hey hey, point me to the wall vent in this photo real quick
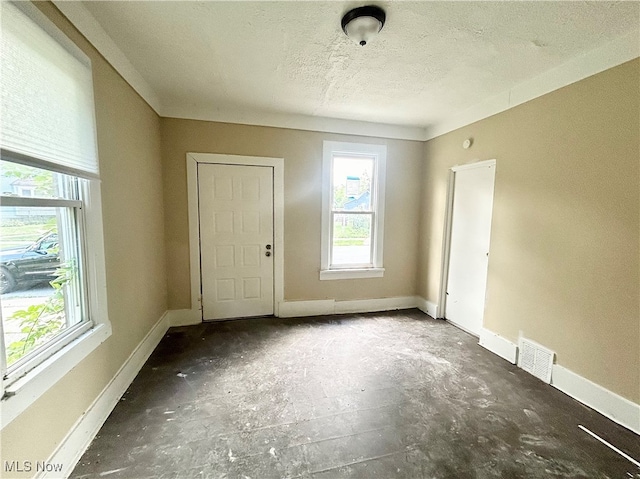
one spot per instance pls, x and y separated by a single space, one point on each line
535 359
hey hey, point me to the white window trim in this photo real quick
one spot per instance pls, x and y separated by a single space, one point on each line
25 386
19 394
379 152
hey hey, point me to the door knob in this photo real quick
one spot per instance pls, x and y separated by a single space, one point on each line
268 246
268 253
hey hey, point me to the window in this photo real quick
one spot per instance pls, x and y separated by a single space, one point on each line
353 210
52 279
42 267
26 191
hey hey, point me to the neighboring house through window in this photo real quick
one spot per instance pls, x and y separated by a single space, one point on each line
352 210
52 272
28 190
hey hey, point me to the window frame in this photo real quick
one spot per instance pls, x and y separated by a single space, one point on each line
20 368
46 367
24 385
378 153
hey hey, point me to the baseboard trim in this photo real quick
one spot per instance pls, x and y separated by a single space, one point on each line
184 317
609 404
427 307
618 409
77 440
291 309
374 305
498 345
320 307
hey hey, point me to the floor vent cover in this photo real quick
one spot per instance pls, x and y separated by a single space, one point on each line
535 359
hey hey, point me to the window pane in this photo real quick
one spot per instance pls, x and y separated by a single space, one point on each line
40 280
351 188
29 182
351 239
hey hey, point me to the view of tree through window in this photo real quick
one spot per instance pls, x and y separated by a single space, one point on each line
352 210
40 283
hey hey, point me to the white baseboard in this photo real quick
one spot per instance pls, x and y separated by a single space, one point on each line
427 307
321 307
498 345
71 448
609 404
291 309
77 440
184 317
373 305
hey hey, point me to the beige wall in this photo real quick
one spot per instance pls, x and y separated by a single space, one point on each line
565 236
565 253
302 153
129 151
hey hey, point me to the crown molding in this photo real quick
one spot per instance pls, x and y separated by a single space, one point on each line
86 23
296 122
614 53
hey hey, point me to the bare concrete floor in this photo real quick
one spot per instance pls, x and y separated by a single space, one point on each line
393 395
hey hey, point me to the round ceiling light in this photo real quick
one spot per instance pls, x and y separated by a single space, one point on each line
362 23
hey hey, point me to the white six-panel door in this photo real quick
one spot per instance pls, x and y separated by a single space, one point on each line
469 247
236 240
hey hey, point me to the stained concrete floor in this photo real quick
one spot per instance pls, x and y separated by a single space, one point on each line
386 395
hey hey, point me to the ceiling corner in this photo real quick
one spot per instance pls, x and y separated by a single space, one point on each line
85 22
616 52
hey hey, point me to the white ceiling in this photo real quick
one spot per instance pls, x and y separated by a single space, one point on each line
240 61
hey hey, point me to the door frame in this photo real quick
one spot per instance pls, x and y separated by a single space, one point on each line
448 223
193 159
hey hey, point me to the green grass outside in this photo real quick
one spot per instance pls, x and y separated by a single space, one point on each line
23 235
348 242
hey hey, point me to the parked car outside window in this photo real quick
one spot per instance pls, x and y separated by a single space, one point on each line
25 266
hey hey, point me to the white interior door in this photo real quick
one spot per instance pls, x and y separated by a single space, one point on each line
236 240
469 246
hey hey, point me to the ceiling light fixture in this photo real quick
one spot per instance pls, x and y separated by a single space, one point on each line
362 23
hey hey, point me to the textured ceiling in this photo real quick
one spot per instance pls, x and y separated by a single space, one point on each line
431 60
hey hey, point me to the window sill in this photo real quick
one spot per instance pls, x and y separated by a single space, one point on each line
330 274
26 390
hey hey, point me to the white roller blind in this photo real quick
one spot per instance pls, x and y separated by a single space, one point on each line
47 96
